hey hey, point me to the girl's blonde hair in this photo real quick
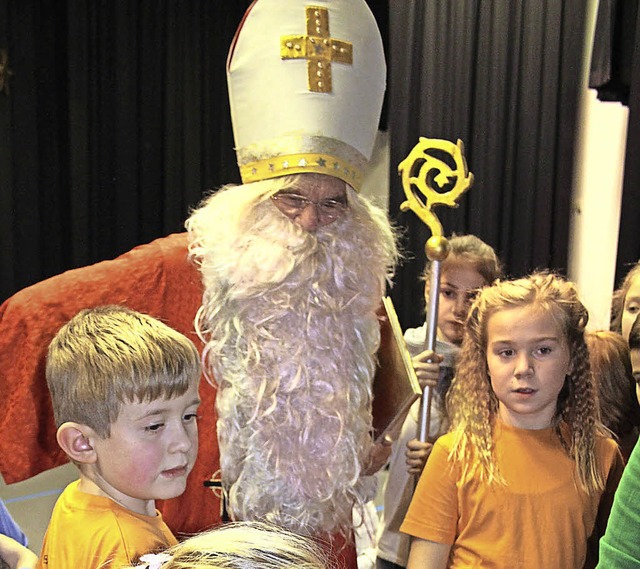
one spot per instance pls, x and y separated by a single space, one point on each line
241 545
473 405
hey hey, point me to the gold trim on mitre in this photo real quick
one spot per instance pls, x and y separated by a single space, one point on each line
300 154
302 164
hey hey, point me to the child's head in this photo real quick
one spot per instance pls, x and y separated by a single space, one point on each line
470 265
110 355
626 302
524 358
124 388
551 297
612 372
241 545
634 352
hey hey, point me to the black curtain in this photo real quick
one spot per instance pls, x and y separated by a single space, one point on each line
503 76
615 73
613 46
114 122
629 238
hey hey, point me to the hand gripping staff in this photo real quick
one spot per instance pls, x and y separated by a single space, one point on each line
438 170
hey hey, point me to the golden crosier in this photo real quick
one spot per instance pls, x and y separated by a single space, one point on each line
415 170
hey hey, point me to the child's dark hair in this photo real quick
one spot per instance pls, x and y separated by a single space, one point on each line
611 368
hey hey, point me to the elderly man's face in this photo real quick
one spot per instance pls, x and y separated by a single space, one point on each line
317 201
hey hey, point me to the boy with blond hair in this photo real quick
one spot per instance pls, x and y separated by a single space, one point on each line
124 388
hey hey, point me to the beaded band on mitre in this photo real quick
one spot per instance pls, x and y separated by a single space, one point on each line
301 164
300 155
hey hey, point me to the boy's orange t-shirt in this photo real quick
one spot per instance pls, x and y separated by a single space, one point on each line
539 519
95 532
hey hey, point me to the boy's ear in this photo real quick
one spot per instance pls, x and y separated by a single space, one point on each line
76 440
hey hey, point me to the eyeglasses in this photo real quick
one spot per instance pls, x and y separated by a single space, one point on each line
294 204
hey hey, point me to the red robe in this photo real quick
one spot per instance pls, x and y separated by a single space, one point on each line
155 279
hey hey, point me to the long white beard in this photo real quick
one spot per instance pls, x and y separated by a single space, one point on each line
289 319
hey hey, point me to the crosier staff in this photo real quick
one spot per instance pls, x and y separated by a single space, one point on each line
438 169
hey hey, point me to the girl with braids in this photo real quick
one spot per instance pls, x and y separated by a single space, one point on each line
526 475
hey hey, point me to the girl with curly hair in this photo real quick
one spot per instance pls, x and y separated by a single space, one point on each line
527 473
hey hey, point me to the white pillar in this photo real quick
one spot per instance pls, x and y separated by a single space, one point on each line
597 194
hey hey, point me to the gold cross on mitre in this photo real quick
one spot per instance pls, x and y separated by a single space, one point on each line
318 48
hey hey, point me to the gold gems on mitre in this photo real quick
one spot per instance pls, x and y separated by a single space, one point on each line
318 48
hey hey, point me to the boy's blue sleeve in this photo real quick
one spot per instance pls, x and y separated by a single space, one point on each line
9 527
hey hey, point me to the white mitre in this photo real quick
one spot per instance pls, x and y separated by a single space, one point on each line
306 84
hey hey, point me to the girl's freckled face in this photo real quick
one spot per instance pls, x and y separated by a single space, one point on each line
528 362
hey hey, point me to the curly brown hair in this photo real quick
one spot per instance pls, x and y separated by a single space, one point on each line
611 367
473 405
